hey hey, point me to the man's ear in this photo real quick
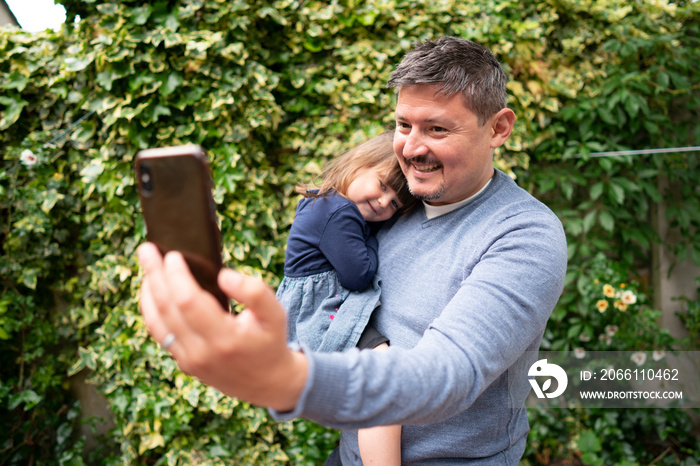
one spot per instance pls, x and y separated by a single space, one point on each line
501 126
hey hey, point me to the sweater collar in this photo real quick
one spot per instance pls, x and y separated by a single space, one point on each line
432 211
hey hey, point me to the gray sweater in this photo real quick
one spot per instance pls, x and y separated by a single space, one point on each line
465 301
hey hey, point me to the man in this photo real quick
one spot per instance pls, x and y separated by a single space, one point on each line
469 280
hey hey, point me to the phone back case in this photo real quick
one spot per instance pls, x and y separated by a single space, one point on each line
175 191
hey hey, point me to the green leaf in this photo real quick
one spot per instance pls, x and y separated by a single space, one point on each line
140 15
91 171
172 82
574 331
14 107
588 441
28 398
217 451
16 81
607 221
617 192
158 111
695 254
50 199
589 220
567 189
74 64
28 278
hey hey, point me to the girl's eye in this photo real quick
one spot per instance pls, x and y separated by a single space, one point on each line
382 186
395 205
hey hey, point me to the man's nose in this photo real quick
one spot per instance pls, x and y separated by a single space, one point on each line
414 145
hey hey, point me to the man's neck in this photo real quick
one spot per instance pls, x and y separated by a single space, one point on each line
432 211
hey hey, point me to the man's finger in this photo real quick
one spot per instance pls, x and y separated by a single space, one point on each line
253 293
199 309
149 311
161 313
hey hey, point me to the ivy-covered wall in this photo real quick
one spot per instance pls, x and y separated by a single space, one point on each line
272 89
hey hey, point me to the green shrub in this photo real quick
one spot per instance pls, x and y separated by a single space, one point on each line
272 89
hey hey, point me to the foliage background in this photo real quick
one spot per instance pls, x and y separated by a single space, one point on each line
272 89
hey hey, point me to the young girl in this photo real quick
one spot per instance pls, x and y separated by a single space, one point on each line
330 289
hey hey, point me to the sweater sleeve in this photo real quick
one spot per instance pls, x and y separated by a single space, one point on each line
349 248
498 313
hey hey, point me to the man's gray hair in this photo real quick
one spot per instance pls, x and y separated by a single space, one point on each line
461 66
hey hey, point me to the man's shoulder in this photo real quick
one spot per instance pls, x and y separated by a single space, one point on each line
512 199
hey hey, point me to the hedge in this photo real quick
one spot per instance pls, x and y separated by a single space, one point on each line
272 89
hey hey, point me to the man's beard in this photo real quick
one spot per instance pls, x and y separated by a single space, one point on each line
429 197
426 197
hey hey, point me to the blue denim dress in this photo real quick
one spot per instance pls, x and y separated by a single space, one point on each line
322 314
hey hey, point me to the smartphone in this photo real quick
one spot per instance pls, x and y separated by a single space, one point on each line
174 185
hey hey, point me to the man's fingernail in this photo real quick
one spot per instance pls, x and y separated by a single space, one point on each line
231 276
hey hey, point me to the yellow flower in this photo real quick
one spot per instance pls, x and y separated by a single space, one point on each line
608 291
621 306
622 285
602 305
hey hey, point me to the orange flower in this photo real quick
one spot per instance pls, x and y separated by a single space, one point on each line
621 306
602 305
608 291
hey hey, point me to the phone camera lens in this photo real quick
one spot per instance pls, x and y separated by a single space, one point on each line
146 179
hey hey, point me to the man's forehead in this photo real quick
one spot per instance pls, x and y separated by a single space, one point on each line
424 104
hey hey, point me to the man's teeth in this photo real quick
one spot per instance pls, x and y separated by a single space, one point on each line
426 168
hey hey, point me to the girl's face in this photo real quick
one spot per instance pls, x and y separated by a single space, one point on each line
375 199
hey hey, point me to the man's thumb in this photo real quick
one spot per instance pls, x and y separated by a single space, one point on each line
252 292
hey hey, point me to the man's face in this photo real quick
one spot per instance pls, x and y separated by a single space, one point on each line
444 153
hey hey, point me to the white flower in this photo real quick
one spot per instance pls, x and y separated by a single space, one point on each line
658 355
584 337
639 358
605 339
628 297
579 353
611 330
27 158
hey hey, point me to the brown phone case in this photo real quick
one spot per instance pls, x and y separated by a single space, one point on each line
174 186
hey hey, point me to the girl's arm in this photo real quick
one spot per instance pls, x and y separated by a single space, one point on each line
349 248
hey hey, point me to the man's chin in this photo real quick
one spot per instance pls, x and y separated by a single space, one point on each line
423 194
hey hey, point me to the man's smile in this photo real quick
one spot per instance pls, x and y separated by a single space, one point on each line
422 165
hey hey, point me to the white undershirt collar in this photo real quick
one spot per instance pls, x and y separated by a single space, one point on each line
432 211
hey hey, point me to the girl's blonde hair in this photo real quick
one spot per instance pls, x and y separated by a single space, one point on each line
377 152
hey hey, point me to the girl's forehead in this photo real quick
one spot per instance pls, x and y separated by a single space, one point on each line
383 169
373 170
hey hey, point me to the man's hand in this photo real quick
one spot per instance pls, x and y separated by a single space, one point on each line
244 355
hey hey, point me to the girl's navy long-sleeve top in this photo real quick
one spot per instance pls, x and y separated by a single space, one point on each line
330 233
